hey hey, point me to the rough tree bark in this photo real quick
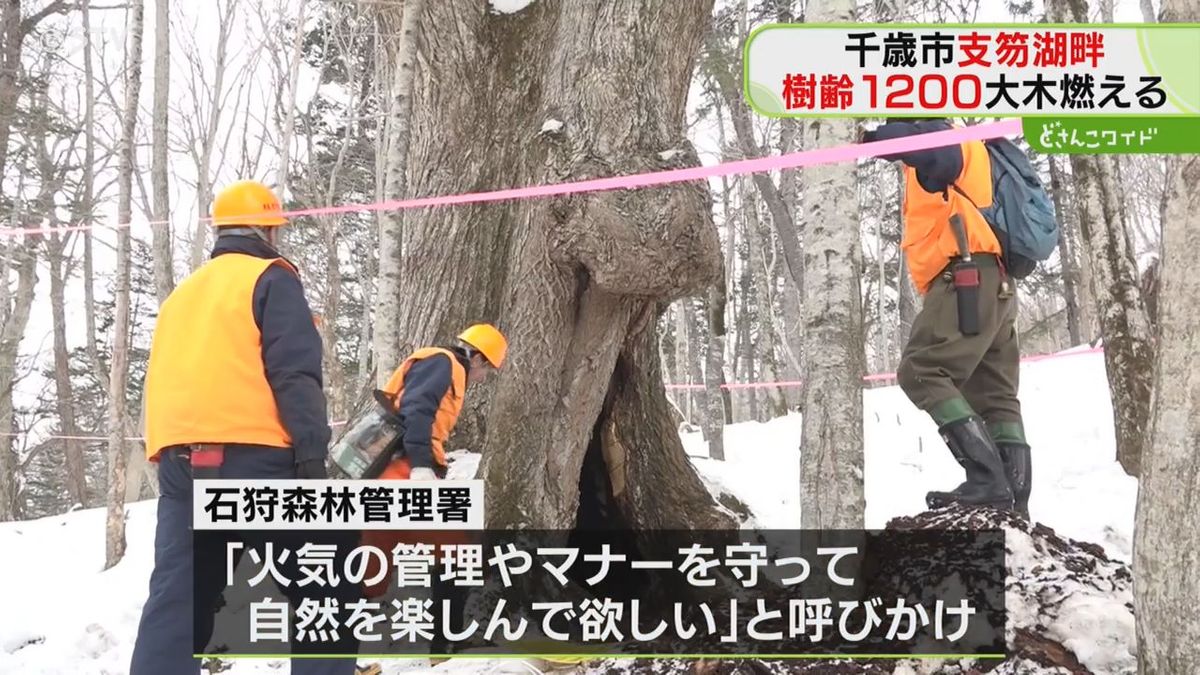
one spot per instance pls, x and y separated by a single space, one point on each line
831 473
1128 347
391 223
164 275
1166 567
577 283
119 365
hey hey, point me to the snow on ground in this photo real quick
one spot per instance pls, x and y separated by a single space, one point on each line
1079 488
509 6
62 614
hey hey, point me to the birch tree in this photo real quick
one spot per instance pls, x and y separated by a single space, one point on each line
1166 569
164 277
391 223
831 473
1128 348
119 364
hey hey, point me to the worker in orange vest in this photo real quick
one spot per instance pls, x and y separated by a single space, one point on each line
424 397
961 364
233 390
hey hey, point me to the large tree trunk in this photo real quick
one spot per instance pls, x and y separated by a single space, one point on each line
164 276
1128 349
831 475
391 223
577 283
1165 565
119 365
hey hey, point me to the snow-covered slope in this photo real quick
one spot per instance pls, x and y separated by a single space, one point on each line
61 614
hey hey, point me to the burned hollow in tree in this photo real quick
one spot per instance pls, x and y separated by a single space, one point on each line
578 282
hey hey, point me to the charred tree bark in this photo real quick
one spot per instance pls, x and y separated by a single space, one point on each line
831 476
577 283
119 366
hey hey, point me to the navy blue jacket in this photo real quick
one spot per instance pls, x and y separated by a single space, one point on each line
937 168
291 349
425 384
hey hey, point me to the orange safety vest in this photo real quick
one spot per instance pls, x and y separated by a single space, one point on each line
205 382
929 241
447 412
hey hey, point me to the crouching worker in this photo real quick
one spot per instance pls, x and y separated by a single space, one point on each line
961 362
403 436
232 390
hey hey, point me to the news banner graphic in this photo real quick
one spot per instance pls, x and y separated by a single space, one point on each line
1094 88
403 568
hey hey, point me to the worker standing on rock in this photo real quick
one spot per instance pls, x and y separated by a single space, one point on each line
233 390
962 360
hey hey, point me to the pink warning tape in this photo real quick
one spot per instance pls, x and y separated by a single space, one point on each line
732 385
841 153
874 377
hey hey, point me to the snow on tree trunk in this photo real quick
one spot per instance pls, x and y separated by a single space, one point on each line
1166 562
164 276
391 223
578 283
1128 349
831 474
119 366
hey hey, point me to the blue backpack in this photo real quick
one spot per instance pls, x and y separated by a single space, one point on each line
1022 213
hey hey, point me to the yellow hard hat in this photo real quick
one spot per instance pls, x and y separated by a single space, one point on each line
247 202
489 341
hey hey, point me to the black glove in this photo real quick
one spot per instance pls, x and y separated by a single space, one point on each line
311 469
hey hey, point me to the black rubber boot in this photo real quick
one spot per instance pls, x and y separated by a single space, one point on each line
1019 469
987 482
